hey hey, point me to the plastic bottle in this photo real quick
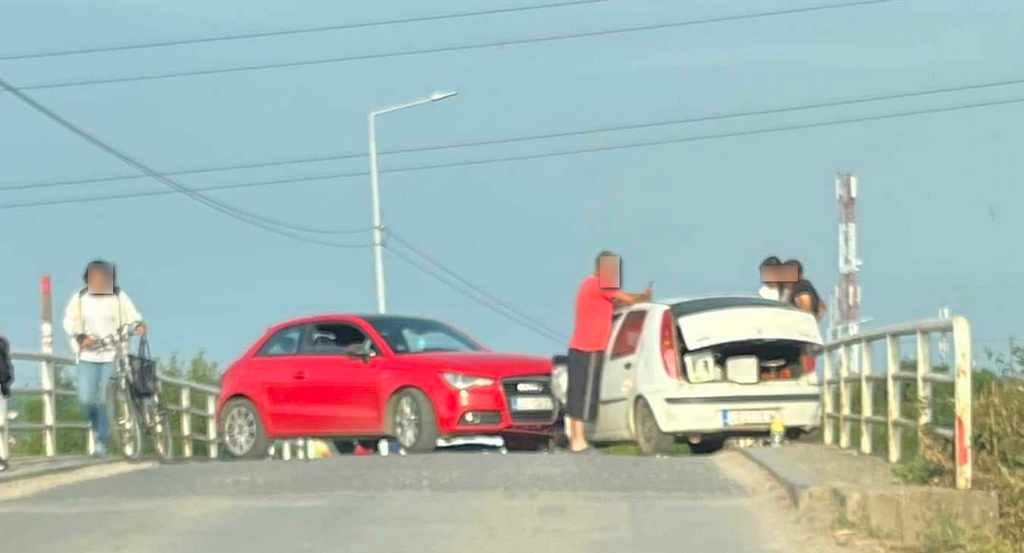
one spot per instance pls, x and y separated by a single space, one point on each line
778 431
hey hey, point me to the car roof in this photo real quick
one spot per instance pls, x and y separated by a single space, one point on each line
369 318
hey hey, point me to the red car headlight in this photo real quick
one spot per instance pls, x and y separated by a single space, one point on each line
461 381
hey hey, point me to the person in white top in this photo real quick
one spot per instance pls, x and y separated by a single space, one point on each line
770 290
95 311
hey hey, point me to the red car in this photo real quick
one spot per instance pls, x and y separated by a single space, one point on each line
372 376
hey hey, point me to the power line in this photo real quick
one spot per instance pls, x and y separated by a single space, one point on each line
544 136
441 266
481 300
580 151
263 222
445 49
296 31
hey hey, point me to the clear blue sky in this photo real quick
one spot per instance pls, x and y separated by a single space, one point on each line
939 199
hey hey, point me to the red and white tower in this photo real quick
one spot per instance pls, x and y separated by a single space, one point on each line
846 316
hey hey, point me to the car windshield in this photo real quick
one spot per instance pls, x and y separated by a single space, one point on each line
407 335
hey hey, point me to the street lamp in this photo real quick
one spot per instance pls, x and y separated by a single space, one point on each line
378 227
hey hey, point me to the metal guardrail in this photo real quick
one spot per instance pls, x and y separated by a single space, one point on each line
185 411
50 366
843 352
49 425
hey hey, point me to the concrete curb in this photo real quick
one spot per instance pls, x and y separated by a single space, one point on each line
901 513
802 494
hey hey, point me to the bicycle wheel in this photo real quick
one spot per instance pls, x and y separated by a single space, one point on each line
160 430
127 422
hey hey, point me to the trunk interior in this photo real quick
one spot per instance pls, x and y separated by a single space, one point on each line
776 359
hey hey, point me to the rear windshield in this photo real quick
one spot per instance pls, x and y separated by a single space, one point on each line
711 304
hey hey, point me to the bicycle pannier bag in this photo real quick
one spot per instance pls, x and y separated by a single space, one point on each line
143 366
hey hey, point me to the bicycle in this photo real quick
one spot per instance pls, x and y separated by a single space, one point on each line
134 400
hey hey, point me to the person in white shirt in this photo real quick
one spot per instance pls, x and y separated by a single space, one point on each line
95 311
770 290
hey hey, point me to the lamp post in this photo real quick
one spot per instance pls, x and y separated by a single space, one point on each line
378 227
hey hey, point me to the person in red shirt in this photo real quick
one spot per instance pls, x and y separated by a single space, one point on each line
598 295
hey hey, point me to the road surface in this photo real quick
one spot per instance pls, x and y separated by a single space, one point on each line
445 502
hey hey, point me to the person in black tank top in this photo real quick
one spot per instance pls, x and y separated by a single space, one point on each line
803 295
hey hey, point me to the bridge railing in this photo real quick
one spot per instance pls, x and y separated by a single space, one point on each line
192 400
50 391
856 380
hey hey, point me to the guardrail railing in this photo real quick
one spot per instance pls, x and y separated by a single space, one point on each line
192 400
50 391
185 408
857 378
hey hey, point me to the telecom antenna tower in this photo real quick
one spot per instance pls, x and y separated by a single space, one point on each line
846 317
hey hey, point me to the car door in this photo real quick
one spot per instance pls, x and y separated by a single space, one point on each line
339 384
618 375
275 365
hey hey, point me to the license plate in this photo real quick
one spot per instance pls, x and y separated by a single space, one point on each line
540 403
747 417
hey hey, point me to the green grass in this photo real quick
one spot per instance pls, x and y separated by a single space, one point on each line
678 450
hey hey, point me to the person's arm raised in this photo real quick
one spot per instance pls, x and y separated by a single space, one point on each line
627 298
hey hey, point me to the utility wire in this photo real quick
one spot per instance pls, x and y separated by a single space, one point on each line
445 49
544 136
482 301
580 151
444 268
265 223
295 31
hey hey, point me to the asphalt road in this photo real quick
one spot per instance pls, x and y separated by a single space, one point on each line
444 502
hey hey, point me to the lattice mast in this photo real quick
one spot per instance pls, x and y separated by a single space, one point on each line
846 316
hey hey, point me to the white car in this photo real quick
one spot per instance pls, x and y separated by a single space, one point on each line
705 369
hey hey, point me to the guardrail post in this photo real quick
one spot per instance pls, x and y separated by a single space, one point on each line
844 396
867 398
46 372
5 438
963 449
186 421
827 408
211 426
892 394
924 387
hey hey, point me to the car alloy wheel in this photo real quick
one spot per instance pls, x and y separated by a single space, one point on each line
240 430
407 421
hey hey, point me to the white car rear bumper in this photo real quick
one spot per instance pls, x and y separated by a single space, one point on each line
737 414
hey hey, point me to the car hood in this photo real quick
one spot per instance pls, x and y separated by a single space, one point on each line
490 364
738 324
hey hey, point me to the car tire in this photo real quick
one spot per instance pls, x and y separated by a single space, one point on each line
412 421
649 437
242 431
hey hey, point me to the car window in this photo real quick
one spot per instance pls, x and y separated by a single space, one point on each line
333 339
283 342
628 338
420 341
408 335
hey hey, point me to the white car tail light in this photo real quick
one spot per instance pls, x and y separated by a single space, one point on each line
669 350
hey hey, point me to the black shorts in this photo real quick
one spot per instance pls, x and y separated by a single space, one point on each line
584 391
